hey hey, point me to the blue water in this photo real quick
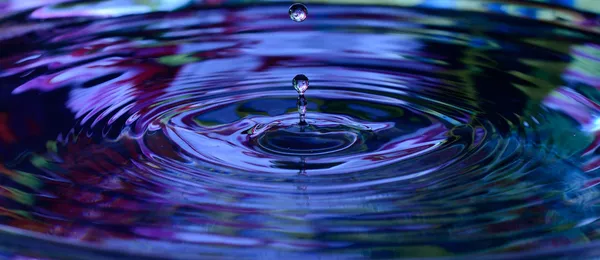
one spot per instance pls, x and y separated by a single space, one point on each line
174 130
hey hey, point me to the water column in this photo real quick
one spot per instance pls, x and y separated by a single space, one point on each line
300 83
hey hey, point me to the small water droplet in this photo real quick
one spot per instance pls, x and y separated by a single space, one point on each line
298 12
300 83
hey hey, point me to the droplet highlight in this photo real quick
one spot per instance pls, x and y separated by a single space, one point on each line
298 12
300 83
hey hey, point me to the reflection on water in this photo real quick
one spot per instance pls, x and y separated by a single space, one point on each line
169 129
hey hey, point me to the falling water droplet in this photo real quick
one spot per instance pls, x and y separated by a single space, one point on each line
300 83
298 12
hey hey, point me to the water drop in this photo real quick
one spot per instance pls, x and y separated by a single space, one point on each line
298 12
300 83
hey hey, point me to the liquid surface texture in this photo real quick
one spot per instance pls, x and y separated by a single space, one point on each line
173 129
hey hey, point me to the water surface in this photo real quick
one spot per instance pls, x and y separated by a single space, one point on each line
170 129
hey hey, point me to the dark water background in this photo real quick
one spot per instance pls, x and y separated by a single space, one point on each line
168 129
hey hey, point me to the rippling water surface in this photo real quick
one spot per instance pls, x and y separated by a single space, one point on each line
171 129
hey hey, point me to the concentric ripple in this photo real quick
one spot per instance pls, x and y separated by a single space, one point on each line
172 130
255 130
